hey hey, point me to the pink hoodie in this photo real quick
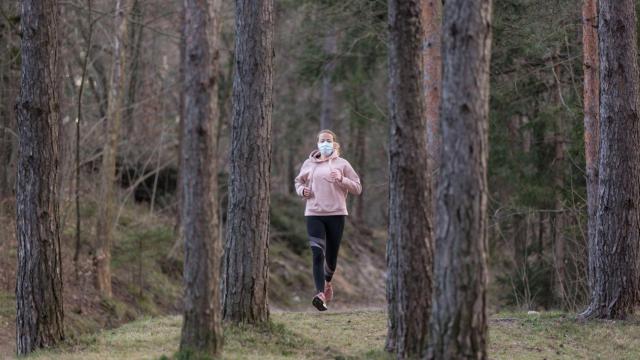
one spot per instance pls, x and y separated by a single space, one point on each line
327 198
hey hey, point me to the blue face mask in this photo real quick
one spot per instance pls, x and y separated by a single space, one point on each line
326 148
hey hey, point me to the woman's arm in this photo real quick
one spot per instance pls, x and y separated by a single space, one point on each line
351 180
301 180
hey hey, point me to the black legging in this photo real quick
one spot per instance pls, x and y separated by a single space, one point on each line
325 233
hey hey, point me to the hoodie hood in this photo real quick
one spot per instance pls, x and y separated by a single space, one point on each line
315 156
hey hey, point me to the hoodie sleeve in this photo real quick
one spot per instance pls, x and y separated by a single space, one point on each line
351 180
302 179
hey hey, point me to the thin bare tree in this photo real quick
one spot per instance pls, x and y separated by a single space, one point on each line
106 209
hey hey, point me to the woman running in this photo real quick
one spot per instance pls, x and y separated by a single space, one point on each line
324 181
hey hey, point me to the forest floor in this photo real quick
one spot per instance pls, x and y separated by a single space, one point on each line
147 286
360 334
141 321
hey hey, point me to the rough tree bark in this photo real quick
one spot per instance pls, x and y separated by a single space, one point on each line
432 20
201 329
410 244
39 320
591 94
246 269
106 212
615 254
458 324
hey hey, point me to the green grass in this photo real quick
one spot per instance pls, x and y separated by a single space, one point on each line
7 305
360 334
556 335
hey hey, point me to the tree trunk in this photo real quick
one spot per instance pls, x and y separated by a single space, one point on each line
410 244
615 257
591 105
520 242
559 218
8 85
174 254
432 20
525 222
327 111
106 212
246 270
132 67
458 319
361 157
39 320
79 120
202 329
521 139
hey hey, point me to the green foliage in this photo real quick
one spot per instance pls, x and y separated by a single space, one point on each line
141 243
361 43
528 288
536 73
7 305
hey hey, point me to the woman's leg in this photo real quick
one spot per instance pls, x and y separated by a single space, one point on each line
335 226
316 232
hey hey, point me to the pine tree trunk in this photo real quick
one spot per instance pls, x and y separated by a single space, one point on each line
39 320
132 67
520 242
106 212
327 111
432 20
458 319
559 218
410 244
246 270
615 257
175 254
201 329
591 105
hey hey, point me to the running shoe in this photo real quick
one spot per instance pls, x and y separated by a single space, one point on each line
319 301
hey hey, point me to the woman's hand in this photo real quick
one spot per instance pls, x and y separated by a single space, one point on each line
336 175
306 192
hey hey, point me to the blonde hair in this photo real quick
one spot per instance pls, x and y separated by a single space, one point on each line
336 145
